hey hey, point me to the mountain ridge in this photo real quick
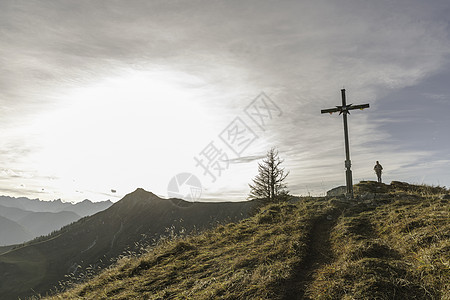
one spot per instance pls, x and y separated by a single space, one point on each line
139 218
43 223
41 217
37 205
12 232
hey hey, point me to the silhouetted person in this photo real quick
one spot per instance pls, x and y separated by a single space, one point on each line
378 168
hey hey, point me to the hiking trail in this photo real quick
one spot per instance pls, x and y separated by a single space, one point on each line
319 254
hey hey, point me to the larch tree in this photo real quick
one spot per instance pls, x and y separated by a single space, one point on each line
269 184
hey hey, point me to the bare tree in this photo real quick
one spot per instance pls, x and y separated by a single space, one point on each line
269 183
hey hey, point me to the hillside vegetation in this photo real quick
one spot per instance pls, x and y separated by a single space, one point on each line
95 242
392 242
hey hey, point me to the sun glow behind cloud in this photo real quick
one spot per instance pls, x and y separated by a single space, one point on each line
120 132
97 97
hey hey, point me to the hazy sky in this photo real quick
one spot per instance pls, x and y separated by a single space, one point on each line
113 95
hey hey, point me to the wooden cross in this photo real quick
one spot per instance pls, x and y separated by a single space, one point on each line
344 109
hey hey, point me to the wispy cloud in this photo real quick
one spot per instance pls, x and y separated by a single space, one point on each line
224 53
245 159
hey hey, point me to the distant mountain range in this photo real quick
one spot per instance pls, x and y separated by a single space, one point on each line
84 208
23 219
139 218
12 232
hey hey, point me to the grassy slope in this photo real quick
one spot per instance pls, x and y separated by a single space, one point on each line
251 258
394 245
37 263
92 242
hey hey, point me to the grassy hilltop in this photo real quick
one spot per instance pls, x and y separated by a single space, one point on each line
392 242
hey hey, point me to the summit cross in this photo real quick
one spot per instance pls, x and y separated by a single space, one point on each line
344 109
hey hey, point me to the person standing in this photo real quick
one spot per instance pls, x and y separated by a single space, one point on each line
378 168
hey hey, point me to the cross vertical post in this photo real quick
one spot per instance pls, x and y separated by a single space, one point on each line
344 110
348 162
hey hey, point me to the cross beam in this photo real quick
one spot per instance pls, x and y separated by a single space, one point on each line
344 109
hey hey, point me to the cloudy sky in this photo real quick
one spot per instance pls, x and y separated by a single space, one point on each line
97 96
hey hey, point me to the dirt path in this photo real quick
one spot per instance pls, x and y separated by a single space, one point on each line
319 254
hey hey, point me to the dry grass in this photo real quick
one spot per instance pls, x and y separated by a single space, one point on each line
250 259
394 246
